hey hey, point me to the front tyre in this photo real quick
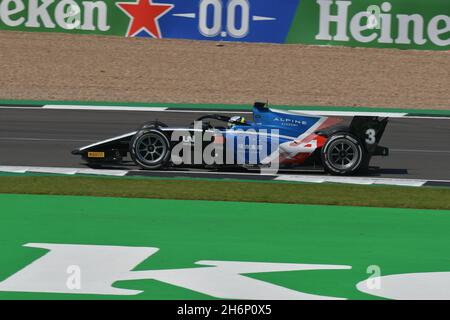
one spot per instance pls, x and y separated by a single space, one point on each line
343 154
150 149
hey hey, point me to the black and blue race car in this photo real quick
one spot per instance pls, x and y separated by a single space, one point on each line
274 138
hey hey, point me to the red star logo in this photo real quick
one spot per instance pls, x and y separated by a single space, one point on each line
144 15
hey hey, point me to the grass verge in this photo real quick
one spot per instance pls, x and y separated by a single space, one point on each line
324 194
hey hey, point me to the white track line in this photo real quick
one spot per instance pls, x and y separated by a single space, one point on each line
102 108
347 113
119 108
19 108
166 109
210 172
141 109
56 170
282 177
13 139
419 151
366 114
353 180
316 178
116 173
62 170
428 117
14 169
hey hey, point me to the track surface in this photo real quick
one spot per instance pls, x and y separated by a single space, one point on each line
420 148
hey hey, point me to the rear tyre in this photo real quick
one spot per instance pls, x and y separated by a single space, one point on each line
150 149
343 154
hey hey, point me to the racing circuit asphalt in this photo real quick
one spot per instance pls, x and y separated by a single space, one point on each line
420 148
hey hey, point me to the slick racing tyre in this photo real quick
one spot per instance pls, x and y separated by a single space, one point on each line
343 154
150 149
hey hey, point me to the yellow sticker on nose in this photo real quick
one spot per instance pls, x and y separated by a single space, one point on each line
96 154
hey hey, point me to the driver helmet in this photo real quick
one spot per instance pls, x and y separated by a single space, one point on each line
236 120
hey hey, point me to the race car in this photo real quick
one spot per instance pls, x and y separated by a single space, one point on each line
273 139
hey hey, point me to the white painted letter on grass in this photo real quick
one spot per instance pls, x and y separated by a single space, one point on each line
97 268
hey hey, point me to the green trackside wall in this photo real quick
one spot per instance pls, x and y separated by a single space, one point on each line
428 26
95 17
396 240
404 24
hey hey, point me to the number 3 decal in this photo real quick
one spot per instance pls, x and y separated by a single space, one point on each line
370 136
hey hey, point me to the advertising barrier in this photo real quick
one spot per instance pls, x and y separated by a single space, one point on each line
404 24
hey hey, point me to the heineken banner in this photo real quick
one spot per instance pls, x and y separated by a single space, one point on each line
404 24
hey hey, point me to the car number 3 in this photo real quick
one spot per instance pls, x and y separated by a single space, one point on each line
370 136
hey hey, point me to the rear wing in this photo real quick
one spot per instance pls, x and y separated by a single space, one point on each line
370 130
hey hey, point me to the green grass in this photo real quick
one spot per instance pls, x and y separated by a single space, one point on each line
295 193
397 240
